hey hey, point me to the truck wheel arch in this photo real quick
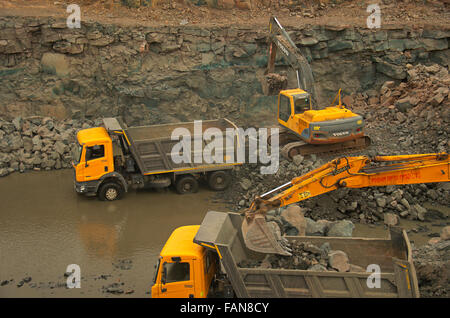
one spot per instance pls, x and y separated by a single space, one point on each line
113 177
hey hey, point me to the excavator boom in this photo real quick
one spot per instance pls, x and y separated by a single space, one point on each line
280 40
350 172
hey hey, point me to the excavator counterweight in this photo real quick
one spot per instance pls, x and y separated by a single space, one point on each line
350 172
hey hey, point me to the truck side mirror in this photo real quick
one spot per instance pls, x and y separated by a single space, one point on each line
164 275
87 156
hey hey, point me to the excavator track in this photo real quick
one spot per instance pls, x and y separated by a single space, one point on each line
300 147
291 145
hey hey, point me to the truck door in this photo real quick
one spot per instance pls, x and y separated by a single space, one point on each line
96 162
177 280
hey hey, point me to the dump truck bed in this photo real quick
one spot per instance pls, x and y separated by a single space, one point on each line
398 279
152 145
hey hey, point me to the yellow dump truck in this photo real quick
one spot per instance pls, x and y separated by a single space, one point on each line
109 160
205 261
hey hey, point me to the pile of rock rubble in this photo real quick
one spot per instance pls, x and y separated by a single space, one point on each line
290 221
367 205
407 117
307 256
38 143
432 264
411 116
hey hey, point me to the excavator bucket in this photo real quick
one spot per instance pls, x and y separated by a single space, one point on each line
273 83
259 237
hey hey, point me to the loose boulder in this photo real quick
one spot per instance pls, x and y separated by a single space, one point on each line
294 216
339 261
342 228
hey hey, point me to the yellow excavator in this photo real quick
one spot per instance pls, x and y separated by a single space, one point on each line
345 172
305 127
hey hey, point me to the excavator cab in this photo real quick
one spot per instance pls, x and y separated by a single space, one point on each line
292 105
292 102
302 103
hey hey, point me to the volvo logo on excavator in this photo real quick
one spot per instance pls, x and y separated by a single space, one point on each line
281 46
340 133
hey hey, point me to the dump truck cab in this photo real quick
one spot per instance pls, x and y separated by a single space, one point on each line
184 269
95 154
93 159
325 126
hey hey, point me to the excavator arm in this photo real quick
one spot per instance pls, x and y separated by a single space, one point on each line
280 40
350 172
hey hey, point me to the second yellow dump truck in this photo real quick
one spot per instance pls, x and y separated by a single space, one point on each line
206 261
109 160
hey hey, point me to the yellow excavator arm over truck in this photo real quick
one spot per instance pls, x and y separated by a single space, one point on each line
349 172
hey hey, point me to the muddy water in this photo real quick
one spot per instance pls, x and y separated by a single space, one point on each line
45 226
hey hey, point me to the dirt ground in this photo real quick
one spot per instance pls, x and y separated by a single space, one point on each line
393 13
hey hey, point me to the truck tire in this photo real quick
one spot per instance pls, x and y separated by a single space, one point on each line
110 191
187 184
219 180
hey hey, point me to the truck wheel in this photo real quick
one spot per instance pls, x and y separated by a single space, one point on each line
187 184
219 180
110 191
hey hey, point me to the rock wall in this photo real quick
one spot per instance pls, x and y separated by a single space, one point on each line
168 74
218 4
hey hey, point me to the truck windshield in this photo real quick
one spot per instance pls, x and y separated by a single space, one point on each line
302 103
76 153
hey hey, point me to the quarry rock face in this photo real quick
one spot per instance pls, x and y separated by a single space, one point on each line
187 71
